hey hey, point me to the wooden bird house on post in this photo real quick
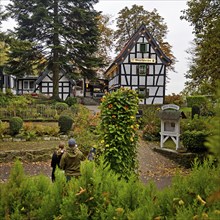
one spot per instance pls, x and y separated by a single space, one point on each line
170 124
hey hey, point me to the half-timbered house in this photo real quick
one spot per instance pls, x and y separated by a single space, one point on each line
37 84
44 84
141 65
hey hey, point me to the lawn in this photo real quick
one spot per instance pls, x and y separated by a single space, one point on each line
28 145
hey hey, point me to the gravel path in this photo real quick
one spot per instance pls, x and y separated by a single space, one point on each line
152 166
156 167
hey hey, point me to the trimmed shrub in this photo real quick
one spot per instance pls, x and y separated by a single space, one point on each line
71 101
195 100
15 125
65 123
61 106
68 112
194 140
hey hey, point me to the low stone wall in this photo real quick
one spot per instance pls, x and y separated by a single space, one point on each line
30 155
183 158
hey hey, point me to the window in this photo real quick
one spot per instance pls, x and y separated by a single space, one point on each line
28 85
142 92
142 69
143 48
31 85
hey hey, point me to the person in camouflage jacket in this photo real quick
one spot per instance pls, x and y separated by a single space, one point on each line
71 159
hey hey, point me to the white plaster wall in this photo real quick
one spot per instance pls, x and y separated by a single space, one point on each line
133 49
132 55
149 101
142 80
158 100
160 81
150 80
47 79
151 69
157 69
135 80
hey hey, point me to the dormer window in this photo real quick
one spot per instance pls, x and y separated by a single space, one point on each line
143 48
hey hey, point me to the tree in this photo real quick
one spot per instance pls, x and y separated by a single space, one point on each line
105 44
204 70
3 50
3 46
22 58
64 32
129 20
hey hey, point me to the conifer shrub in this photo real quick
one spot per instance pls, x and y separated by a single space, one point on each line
65 123
15 125
119 130
99 194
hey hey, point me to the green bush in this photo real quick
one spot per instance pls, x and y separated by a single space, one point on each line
151 132
61 106
65 123
204 103
71 101
15 125
194 141
68 112
40 108
214 141
50 113
119 130
150 115
195 100
195 111
99 194
197 123
174 99
3 128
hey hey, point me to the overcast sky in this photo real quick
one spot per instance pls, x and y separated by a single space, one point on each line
179 35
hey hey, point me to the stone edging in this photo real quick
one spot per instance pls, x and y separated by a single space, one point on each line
183 158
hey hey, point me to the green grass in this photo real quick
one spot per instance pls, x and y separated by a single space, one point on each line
169 144
28 145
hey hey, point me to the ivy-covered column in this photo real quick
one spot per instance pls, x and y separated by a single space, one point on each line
119 131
